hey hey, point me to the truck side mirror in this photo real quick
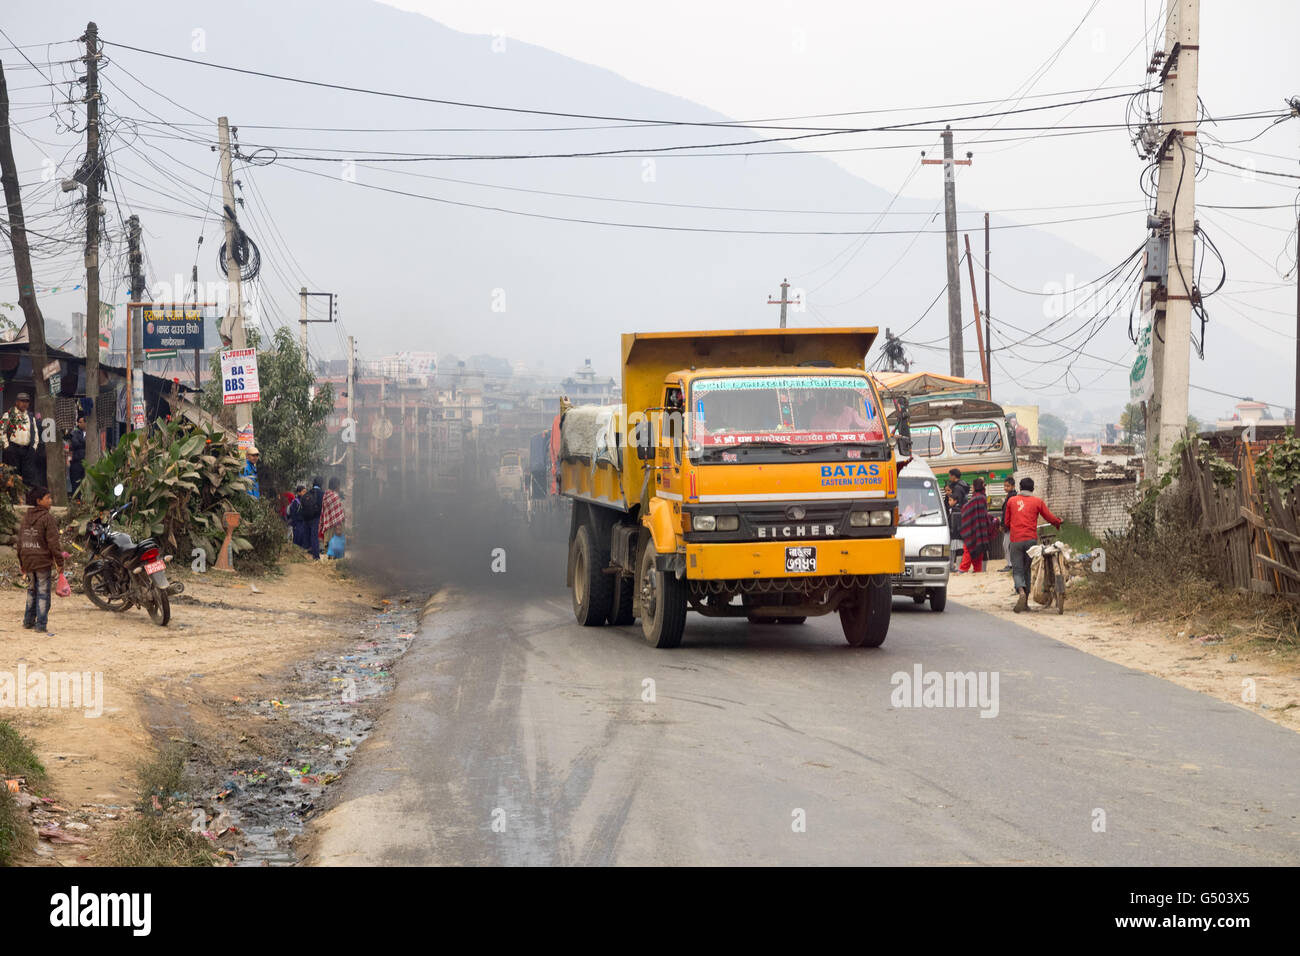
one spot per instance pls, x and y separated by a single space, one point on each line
643 439
903 445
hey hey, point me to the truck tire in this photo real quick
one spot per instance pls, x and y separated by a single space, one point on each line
866 622
621 612
938 599
593 589
663 602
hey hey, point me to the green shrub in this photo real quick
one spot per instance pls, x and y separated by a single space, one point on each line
263 530
179 478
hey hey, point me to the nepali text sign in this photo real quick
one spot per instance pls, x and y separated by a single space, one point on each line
172 328
239 376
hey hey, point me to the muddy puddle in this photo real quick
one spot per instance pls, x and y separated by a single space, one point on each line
262 805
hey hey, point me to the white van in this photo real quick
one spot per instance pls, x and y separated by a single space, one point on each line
923 526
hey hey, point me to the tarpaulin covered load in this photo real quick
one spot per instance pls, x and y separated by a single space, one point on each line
588 432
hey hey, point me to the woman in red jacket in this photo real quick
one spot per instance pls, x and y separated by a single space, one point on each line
1021 519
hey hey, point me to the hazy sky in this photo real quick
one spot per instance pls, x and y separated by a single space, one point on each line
763 58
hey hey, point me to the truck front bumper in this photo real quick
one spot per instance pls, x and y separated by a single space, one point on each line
762 559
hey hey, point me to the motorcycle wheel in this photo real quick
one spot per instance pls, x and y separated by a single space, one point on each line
160 608
101 595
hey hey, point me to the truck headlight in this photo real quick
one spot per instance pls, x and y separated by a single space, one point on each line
863 519
728 522
934 551
703 522
860 519
882 517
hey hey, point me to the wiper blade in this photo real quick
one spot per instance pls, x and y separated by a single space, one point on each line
913 519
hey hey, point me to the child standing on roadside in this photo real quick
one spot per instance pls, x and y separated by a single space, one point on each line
39 553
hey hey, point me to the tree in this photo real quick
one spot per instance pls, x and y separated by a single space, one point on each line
288 422
1134 423
1052 431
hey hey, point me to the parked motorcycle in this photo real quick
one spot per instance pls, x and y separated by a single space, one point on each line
122 573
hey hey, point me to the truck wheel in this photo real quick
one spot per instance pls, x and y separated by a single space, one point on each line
938 599
620 609
663 602
866 622
593 590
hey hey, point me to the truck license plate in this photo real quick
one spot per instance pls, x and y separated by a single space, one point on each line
800 560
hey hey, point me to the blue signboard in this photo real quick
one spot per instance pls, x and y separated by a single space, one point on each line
172 328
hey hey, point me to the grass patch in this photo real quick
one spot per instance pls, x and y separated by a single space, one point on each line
18 759
1077 536
153 839
163 777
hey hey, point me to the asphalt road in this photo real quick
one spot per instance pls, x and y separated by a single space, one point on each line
515 736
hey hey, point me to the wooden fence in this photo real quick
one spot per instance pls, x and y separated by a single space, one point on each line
1257 534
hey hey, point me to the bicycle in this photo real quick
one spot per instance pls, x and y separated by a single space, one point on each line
1051 560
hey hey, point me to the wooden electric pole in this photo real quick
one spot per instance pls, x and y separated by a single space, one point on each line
352 452
55 474
136 418
956 359
90 174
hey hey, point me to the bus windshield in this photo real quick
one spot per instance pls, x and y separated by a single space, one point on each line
784 409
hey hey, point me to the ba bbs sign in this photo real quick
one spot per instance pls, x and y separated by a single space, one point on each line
239 376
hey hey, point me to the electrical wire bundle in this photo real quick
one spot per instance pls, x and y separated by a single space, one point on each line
244 253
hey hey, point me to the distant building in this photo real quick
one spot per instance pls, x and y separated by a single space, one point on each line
584 388
1254 413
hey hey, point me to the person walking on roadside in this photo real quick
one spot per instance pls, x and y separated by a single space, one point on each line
1023 512
956 494
332 516
976 531
312 503
77 453
21 438
250 471
39 552
1008 492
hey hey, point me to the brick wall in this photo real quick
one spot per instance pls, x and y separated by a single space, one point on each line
1094 492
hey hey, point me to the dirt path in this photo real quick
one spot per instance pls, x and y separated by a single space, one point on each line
230 637
1217 669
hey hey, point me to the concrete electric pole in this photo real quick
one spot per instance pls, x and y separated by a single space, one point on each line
235 300
784 300
352 452
89 175
956 360
1176 209
135 330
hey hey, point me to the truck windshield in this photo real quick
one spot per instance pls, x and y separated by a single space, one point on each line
784 409
918 502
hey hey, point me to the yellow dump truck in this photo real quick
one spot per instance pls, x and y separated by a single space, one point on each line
747 473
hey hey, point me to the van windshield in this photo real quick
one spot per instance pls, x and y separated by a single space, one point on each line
918 502
784 409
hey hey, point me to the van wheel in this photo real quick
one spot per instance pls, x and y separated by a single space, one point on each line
938 599
866 622
620 609
663 602
593 590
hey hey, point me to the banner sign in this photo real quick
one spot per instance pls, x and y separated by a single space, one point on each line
1142 378
172 328
239 376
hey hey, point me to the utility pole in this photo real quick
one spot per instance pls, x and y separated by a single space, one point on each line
235 293
90 174
352 452
988 315
1176 211
1296 410
195 279
302 324
135 326
979 337
55 474
784 300
956 359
